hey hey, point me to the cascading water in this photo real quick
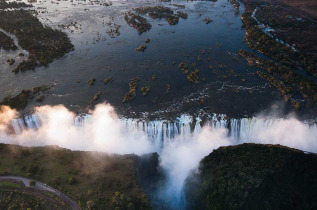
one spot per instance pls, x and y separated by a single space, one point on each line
180 143
244 129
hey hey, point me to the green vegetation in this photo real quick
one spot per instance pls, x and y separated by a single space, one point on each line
23 200
9 185
290 30
158 12
120 201
40 98
193 76
183 67
97 96
161 12
298 34
207 20
138 22
141 48
29 64
168 88
87 177
54 197
293 82
145 90
91 81
6 42
12 5
276 83
43 43
154 11
71 180
235 3
182 15
11 61
21 100
32 183
108 80
179 5
114 30
172 20
253 176
133 85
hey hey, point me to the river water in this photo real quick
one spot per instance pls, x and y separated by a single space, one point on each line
230 87
226 105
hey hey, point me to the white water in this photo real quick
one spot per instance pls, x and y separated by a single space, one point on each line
162 131
181 144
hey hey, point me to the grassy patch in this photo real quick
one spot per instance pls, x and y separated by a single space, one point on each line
43 43
10 185
23 200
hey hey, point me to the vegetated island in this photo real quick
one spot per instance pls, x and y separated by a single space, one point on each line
21 100
43 43
136 20
281 34
254 176
287 37
6 42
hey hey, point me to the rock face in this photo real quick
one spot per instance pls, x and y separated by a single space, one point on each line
252 176
151 177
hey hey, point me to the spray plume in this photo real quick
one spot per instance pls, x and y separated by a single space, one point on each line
105 132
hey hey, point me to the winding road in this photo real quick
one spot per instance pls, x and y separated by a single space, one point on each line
40 187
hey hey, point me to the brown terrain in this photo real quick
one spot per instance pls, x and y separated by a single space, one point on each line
303 7
285 17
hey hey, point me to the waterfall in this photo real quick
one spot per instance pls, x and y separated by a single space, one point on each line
181 143
161 131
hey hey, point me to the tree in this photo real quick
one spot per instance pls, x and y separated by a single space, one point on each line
32 183
90 204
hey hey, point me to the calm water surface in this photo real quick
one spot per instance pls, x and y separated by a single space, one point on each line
97 55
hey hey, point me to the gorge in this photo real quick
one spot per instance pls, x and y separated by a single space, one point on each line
180 144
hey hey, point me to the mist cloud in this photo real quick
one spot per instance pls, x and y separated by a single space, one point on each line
105 132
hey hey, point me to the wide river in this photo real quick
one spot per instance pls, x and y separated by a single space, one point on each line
229 86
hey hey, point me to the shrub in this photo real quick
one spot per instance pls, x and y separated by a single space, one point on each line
32 183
